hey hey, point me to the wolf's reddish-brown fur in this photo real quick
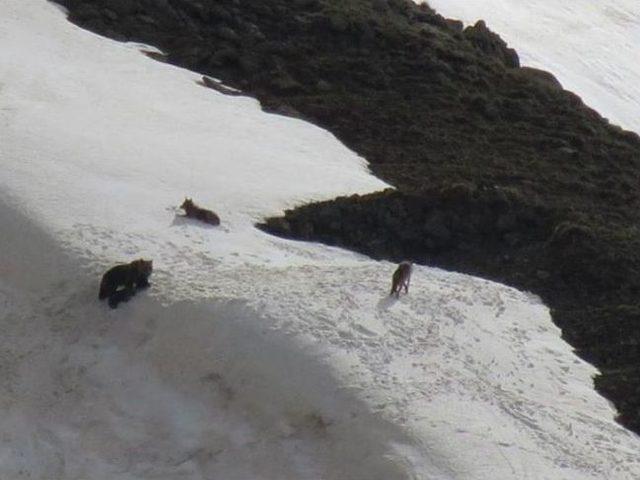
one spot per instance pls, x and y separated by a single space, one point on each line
401 278
199 213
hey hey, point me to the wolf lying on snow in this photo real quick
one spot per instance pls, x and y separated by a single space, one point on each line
199 213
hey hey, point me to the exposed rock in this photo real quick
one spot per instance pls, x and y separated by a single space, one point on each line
219 87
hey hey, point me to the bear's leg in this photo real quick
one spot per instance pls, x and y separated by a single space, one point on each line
114 300
120 296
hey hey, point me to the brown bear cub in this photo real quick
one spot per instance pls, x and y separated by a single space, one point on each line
401 278
202 214
132 276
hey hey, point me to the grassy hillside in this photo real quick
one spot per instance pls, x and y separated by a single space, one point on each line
499 171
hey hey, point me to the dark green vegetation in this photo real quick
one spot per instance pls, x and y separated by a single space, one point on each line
499 171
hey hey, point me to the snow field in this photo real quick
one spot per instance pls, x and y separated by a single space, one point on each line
251 357
199 389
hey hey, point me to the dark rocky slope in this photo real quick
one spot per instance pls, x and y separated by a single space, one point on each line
499 171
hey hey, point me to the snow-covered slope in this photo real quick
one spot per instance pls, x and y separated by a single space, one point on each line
591 47
251 357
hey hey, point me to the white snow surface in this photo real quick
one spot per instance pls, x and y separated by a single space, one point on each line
250 357
590 46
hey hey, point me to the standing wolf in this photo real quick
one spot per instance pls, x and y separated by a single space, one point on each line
401 278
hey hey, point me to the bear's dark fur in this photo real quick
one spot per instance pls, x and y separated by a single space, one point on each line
202 214
132 276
